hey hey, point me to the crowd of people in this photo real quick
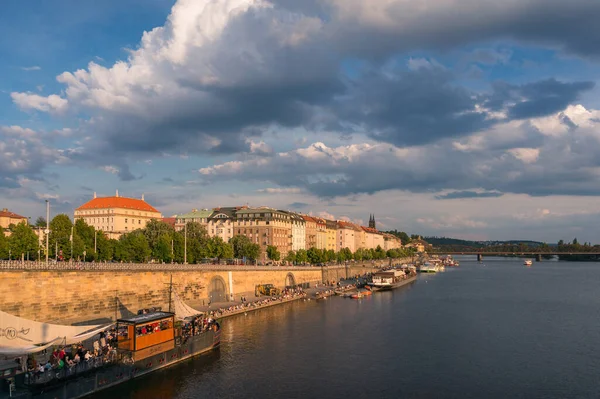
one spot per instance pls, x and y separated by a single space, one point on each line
198 325
286 295
67 360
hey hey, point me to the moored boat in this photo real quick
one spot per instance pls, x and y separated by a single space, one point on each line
145 343
428 267
528 263
390 279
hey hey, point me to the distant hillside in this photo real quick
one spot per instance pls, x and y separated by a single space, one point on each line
438 241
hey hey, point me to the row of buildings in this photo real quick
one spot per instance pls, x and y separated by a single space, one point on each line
288 231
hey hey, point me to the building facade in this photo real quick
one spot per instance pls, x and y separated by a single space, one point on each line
298 231
265 226
321 231
195 216
116 215
331 231
7 218
346 236
311 231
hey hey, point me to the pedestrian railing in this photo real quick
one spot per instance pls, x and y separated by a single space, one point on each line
100 266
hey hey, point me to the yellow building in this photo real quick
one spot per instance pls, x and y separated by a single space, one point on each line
117 215
331 231
321 233
7 218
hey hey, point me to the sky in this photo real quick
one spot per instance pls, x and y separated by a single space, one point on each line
473 119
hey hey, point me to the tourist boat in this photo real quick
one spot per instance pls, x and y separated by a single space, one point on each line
528 263
144 343
136 354
391 279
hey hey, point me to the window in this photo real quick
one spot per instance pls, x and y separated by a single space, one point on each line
125 227
126 221
140 221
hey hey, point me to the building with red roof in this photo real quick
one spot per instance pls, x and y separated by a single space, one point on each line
117 215
7 218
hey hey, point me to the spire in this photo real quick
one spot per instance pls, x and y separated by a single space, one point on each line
142 197
94 194
117 194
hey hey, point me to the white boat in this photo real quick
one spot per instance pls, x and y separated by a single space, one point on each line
528 263
429 268
391 279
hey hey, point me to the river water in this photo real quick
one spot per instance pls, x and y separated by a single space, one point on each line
495 329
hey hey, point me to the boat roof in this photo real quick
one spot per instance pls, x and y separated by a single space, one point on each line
146 318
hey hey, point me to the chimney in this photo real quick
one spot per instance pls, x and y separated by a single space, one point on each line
94 194
117 194
142 197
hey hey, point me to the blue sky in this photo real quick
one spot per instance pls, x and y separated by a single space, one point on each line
480 124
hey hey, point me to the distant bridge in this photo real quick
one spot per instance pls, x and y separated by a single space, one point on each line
533 254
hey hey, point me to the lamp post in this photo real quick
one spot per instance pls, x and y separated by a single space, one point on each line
95 240
71 238
47 231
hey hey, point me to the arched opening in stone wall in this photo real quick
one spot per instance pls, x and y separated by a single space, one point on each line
217 290
290 280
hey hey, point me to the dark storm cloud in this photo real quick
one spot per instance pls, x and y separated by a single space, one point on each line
468 194
569 25
284 67
412 107
536 99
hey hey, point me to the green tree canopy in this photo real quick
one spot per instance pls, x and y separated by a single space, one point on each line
4 245
301 256
243 247
290 257
23 242
40 222
60 235
273 253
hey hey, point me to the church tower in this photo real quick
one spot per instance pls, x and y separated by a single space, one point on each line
372 222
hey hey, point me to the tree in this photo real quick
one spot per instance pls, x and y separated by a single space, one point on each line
60 234
197 242
4 245
105 248
290 257
133 247
161 250
40 222
155 230
575 242
220 249
315 255
301 256
244 248
83 240
273 253
23 242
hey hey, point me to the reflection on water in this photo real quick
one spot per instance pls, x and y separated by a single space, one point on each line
484 330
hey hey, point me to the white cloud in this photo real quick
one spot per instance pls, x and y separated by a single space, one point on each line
31 68
52 103
110 169
525 155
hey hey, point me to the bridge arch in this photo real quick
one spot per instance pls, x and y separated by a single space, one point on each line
217 290
290 280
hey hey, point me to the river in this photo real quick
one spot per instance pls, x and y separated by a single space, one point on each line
495 329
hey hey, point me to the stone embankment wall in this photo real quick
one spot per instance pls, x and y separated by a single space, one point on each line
78 296
87 292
